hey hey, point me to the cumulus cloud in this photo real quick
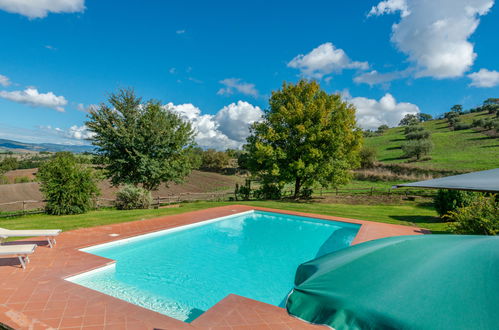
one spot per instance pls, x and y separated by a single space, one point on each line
237 85
32 97
372 113
484 78
434 34
235 118
4 80
227 129
324 60
86 108
41 8
74 132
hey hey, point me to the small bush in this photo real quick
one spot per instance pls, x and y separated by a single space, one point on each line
130 197
68 187
243 192
481 217
413 128
268 191
419 135
382 129
460 126
447 201
306 193
478 123
368 157
22 179
417 148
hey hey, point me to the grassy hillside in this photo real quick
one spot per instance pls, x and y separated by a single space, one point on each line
465 150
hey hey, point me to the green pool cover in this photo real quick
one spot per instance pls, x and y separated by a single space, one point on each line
403 282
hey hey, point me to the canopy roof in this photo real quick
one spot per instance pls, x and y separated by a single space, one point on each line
402 282
486 181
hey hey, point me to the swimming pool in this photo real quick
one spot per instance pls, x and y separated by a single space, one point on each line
183 271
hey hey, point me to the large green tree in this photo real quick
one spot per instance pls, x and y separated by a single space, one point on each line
140 143
307 136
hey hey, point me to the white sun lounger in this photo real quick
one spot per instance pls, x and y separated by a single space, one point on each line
21 251
49 234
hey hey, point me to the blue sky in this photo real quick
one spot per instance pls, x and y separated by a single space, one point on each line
216 63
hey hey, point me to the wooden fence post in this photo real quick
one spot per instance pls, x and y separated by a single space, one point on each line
24 207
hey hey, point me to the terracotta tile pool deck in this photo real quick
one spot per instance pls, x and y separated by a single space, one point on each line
40 298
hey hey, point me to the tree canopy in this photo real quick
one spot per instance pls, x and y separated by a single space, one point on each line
306 136
140 143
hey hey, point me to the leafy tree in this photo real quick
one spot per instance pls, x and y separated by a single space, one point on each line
424 117
457 108
68 187
409 119
306 136
491 101
213 160
417 148
368 157
8 164
140 143
480 217
447 201
382 129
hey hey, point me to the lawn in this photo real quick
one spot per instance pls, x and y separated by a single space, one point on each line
405 213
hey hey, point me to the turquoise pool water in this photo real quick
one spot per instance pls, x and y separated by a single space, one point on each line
185 271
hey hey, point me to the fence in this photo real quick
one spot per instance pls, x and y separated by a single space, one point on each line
33 206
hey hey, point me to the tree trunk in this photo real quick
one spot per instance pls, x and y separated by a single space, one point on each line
297 187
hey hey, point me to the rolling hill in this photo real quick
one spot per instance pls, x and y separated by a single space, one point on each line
464 150
51 147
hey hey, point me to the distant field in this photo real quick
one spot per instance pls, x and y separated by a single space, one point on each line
197 182
466 150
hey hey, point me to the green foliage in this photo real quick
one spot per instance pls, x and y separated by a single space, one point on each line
306 136
418 135
458 108
480 217
268 191
212 160
243 192
424 117
130 197
68 187
447 201
382 129
478 122
368 157
460 126
140 143
8 164
409 119
22 179
194 156
417 148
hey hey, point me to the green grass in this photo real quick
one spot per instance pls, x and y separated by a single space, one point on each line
406 213
466 150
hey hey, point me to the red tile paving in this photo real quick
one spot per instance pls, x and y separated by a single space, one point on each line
40 298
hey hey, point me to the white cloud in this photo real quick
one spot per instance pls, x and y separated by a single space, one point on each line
324 60
32 97
390 7
484 78
434 34
4 80
74 132
236 84
180 31
41 8
235 118
172 70
227 129
374 77
372 113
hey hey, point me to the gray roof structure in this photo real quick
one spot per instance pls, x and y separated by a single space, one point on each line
484 181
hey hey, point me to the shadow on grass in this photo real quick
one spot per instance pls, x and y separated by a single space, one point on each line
394 148
492 146
420 219
397 140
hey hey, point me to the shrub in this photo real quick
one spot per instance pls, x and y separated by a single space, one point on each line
413 128
382 129
481 217
478 123
368 157
68 187
306 193
447 201
419 135
417 148
130 197
460 126
242 192
268 191
22 179
409 119
212 160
